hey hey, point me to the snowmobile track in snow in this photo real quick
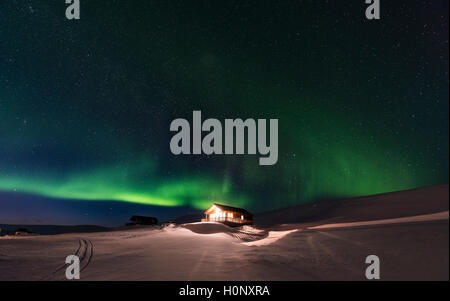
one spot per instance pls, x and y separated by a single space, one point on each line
248 236
85 252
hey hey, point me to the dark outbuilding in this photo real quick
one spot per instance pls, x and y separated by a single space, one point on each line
142 220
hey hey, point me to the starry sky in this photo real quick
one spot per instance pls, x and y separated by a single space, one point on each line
85 105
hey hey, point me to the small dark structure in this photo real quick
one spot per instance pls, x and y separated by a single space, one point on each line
142 220
22 231
231 216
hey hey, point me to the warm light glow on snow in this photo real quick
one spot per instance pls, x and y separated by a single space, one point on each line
270 239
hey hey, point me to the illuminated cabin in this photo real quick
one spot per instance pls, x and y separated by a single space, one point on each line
231 216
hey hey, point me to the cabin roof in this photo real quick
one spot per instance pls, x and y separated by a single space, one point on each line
229 208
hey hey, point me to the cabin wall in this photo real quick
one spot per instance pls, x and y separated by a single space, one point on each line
225 217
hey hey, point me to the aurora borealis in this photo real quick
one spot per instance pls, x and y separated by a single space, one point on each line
85 105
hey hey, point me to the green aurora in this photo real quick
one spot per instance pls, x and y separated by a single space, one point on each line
85 114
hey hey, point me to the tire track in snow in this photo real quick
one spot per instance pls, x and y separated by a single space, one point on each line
89 253
248 236
85 253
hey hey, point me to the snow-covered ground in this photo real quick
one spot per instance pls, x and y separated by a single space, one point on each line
180 254
410 219
409 248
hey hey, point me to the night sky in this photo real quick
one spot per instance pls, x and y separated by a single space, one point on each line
85 105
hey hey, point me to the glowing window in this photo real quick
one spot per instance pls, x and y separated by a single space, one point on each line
242 217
